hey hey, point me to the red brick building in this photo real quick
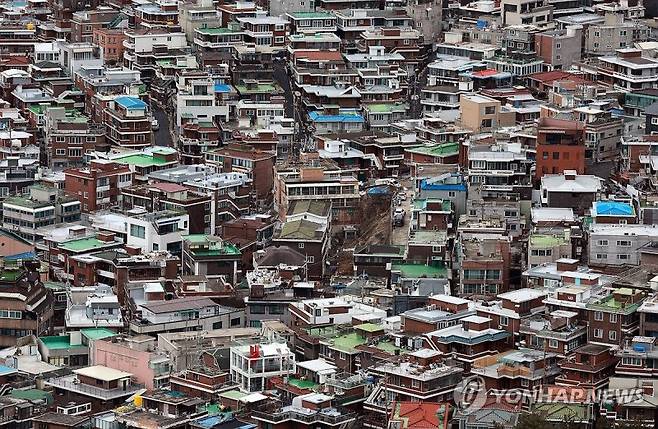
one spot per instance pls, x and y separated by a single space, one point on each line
258 165
110 41
97 186
560 147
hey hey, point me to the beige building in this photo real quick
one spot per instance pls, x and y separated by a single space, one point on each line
481 113
533 12
548 247
616 32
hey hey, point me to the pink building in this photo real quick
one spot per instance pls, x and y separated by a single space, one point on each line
136 355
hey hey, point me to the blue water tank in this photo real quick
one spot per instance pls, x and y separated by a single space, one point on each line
481 23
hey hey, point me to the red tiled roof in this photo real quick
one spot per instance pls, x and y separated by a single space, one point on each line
421 415
319 55
552 76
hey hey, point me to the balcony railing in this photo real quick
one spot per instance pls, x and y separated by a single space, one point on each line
72 384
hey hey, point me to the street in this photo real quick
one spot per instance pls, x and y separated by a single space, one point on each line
162 137
400 234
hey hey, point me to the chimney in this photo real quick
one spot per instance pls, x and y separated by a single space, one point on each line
133 250
106 237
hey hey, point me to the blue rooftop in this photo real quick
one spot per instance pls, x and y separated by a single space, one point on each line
130 103
440 186
220 87
318 117
613 208
4 370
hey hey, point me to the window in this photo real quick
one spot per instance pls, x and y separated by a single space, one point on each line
310 259
504 320
300 245
613 318
279 39
553 344
602 242
598 315
138 231
558 45
612 335
601 256
598 333
624 243
633 361
415 384
654 121
623 257
341 356
556 155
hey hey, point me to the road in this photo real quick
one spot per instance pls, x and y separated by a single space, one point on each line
400 234
163 135
281 77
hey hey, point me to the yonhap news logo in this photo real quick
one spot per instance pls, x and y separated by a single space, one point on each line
471 395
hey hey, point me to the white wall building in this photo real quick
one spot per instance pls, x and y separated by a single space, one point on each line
253 365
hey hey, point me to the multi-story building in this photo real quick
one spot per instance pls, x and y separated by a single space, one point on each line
143 47
257 165
210 256
253 365
110 40
482 113
185 314
617 245
152 231
43 207
484 264
317 183
615 32
527 12
70 137
560 147
160 196
128 122
628 70
98 185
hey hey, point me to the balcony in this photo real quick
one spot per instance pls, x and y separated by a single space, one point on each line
72 384
335 418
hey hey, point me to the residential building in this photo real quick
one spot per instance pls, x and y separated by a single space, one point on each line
253 365
97 186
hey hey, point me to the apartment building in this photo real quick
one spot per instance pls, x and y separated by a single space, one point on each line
196 99
615 32
484 263
185 314
617 245
560 48
338 311
253 365
128 122
570 190
70 137
230 193
98 185
144 46
527 12
211 257
308 238
560 147
628 70
482 113
152 231
313 183
44 206
160 196
110 40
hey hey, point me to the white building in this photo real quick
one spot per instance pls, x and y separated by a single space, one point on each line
252 365
335 311
93 307
611 244
196 99
161 230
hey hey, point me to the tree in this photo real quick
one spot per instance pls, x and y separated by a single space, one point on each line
532 421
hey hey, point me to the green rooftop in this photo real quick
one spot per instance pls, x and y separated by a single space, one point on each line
611 304
546 240
299 230
11 275
98 333
562 412
141 160
85 244
207 245
414 271
302 384
233 394
306 15
27 202
369 327
440 150
421 204
388 347
258 88
32 395
349 342
387 107
58 342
